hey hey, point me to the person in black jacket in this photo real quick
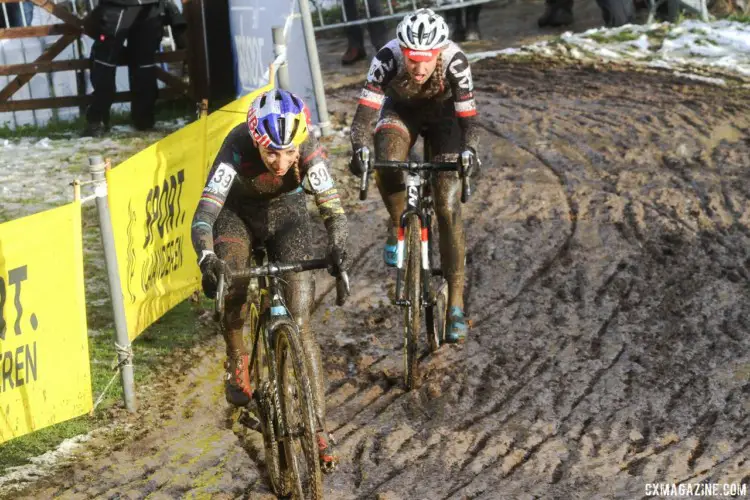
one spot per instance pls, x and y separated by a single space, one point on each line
140 23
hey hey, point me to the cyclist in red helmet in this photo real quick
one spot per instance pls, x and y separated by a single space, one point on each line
422 81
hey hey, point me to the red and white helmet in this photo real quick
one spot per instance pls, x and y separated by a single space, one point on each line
422 34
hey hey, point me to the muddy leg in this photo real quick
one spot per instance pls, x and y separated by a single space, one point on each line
392 144
447 187
232 245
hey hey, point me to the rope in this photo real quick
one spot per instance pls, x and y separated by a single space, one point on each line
126 352
127 359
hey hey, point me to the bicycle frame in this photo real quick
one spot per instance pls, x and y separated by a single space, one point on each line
418 204
273 312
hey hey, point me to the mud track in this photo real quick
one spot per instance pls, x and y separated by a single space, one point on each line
609 288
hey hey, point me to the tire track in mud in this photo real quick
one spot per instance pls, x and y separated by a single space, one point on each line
604 309
563 248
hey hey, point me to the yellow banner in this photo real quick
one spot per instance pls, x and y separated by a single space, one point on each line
44 357
152 199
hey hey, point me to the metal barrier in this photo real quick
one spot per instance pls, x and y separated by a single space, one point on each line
394 12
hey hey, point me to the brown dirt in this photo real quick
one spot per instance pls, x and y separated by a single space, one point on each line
609 286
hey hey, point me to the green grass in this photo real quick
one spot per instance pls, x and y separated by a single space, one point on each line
166 110
175 331
740 18
624 36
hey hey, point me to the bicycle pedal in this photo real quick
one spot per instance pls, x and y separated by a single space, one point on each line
330 466
249 420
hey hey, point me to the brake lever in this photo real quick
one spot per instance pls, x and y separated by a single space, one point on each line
364 180
342 288
466 160
219 303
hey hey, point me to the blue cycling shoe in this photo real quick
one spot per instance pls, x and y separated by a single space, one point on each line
457 327
390 252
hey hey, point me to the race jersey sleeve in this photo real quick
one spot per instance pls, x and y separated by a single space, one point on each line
382 70
317 179
462 86
216 190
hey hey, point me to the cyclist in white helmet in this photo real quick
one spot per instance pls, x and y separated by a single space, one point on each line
421 81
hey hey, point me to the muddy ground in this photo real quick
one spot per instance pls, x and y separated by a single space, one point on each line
609 288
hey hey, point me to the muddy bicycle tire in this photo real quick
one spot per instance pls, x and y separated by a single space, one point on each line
436 314
293 376
412 312
265 381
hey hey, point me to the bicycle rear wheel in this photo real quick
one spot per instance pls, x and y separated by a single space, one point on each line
302 477
412 312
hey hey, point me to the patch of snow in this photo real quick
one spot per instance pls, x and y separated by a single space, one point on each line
16 478
35 173
692 45
41 466
699 78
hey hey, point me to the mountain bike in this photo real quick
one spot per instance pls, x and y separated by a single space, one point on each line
425 286
282 383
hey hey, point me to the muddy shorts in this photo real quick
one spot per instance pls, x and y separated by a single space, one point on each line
282 226
437 120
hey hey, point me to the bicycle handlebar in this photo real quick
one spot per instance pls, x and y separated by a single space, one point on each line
274 269
412 166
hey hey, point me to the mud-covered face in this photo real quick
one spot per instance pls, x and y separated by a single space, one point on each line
421 71
279 161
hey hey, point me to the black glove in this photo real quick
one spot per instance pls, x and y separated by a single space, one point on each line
338 259
356 166
211 267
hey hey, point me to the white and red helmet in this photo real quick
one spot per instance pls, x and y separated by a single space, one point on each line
422 34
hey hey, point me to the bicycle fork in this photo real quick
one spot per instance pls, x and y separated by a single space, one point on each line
413 186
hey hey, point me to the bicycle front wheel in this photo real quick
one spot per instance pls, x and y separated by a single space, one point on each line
265 382
303 475
412 314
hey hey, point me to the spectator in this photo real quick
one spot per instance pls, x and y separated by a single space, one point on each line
140 23
16 15
355 35
469 32
557 13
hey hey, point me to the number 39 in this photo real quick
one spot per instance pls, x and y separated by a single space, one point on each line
221 178
319 177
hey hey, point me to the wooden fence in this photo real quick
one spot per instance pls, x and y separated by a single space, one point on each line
75 23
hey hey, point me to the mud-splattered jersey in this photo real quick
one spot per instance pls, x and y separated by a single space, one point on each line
389 78
240 181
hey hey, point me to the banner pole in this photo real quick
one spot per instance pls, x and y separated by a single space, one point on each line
314 62
123 347
204 140
279 48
